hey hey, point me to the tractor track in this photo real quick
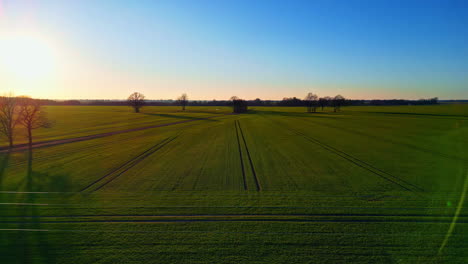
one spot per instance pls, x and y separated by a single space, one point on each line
249 218
362 164
48 143
109 177
257 182
402 183
391 141
271 215
240 155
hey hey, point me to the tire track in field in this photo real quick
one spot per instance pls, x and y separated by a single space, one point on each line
400 182
249 218
257 182
391 141
71 151
362 164
109 177
40 144
272 215
240 155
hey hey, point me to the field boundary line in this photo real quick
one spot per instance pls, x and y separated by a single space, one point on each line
257 182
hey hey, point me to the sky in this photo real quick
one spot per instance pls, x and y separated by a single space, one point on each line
361 49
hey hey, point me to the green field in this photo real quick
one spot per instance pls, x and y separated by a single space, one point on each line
274 185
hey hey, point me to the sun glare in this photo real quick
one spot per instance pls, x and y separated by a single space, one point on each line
27 57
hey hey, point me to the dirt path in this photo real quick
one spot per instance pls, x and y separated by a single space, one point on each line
24 147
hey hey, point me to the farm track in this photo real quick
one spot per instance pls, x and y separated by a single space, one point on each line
257 182
24 147
106 179
362 164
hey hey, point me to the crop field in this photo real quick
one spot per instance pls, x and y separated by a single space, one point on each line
277 185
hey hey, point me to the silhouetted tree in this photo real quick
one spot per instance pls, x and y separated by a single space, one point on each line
258 102
183 101
324 101
311 102
338 101
294 101
32 116
238 105
8 117
137 101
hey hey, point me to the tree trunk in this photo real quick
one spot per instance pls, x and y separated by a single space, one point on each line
137 110
10 139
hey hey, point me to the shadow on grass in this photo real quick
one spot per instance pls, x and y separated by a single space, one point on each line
218 111
418 114
23 238
298 114
3 165
181 117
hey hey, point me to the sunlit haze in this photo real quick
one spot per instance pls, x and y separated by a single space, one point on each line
216 49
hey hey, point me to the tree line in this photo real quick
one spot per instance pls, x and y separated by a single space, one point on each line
27 113
311 101
287 101
21 112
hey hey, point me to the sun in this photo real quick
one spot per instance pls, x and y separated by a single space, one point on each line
27 57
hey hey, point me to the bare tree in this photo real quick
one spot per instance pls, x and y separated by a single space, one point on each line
183 101
137 101
8 117
32 116
338 101
311 102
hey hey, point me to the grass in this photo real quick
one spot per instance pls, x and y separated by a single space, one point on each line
89 120
365 185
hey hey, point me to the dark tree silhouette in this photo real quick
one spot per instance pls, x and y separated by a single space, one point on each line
290 102
8 117
338 101
32 116
137 101
183 101
238 105
324 101
311 102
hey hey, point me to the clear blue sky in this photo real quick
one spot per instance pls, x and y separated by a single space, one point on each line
267 49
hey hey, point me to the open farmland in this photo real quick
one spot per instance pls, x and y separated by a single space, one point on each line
364 185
